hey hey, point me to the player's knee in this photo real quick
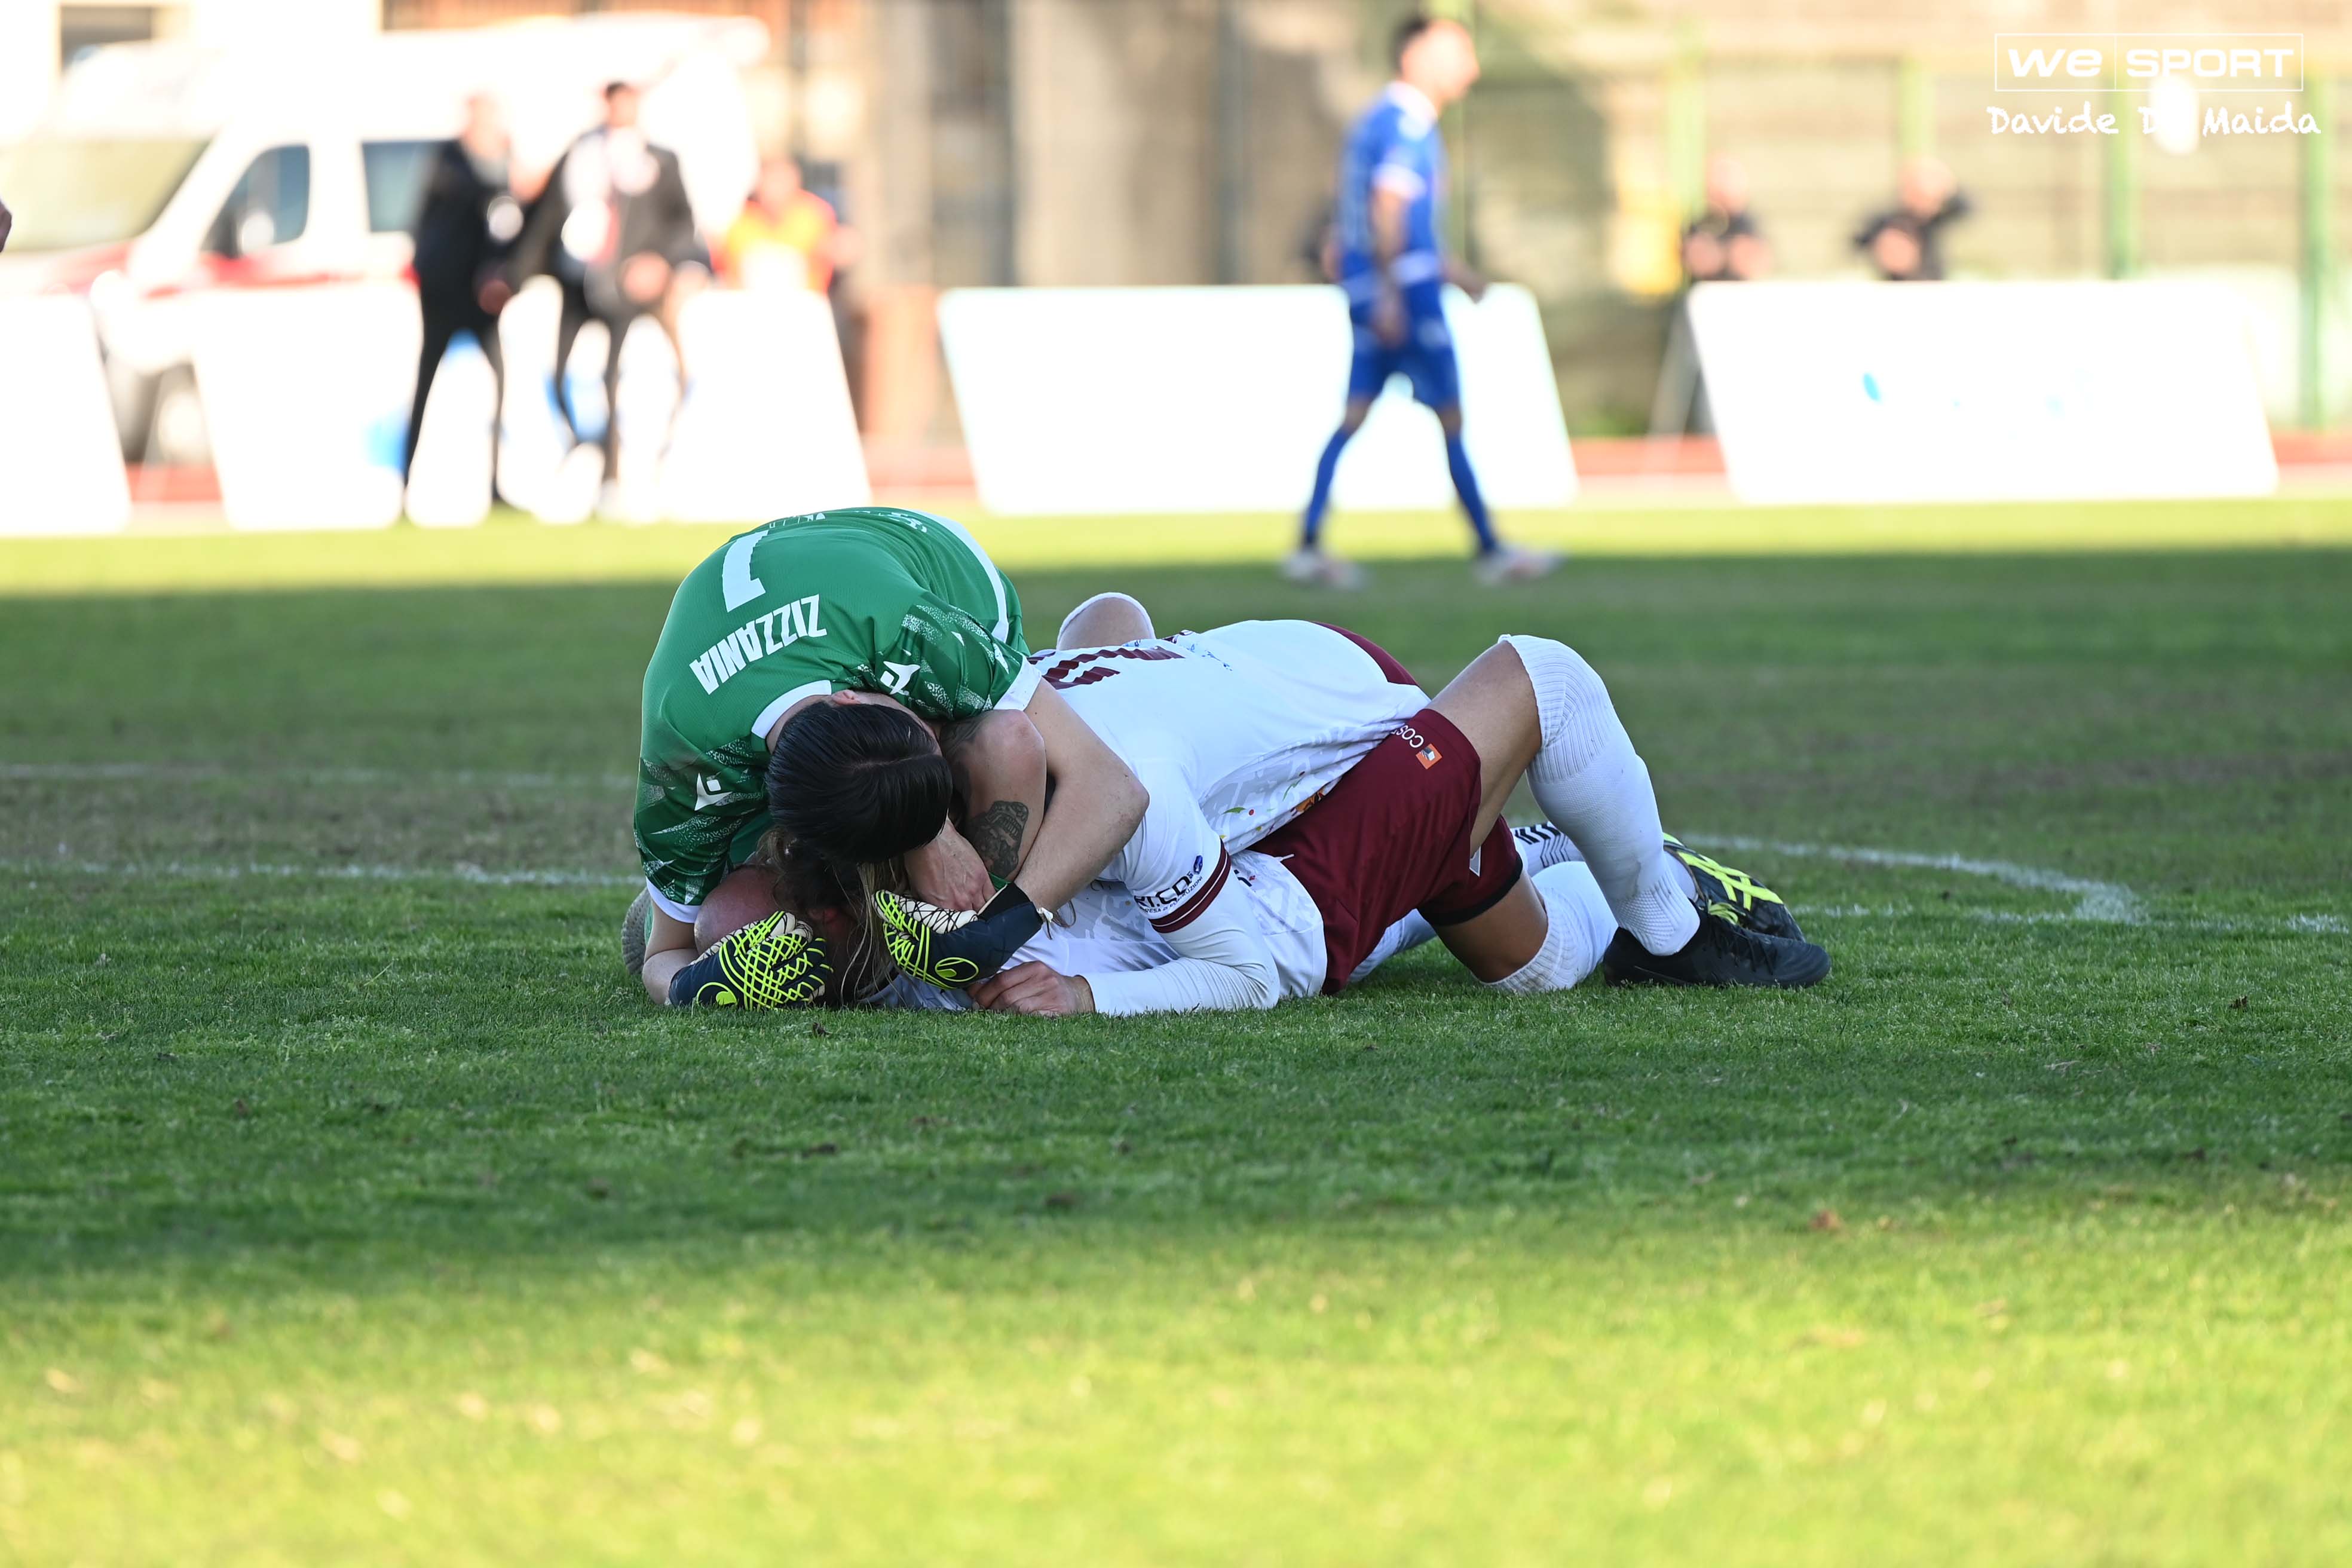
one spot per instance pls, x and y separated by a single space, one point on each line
1353 418
747 894
1571 700
1106 620
1449 420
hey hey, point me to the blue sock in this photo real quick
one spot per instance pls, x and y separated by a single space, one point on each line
1321 501
1466 485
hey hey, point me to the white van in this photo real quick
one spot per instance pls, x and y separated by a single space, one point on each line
162 170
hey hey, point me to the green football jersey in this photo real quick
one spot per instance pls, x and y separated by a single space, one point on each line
863 599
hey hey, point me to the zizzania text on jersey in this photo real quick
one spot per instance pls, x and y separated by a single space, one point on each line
776 630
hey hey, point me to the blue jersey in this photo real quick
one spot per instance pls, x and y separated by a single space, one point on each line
1393 145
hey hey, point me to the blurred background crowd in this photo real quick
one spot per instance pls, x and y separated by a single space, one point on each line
878 151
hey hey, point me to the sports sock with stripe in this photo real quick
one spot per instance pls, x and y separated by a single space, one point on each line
1542 844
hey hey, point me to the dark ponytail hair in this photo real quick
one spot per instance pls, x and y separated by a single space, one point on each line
812 887
857 783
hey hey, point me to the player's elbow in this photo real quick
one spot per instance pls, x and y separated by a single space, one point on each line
1123 800
1002 754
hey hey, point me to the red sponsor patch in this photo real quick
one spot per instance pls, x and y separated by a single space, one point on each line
1429 755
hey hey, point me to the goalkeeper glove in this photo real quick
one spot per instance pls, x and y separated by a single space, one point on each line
770 964
954 947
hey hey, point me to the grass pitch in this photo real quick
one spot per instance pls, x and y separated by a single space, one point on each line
354 1205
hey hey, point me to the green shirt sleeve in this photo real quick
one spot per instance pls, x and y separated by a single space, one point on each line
692 819
945 665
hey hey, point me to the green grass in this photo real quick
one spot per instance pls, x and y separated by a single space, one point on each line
353 1205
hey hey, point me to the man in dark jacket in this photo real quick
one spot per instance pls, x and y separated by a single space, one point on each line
464 231
1724 244
1905 242
617 230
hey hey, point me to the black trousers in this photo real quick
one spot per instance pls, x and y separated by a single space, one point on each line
443 320
577 313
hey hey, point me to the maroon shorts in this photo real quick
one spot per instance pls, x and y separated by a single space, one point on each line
1394 836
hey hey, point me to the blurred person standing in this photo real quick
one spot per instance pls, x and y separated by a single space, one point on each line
7 223
463 234
1395 271
616 229
787 236
1906 241
1724 244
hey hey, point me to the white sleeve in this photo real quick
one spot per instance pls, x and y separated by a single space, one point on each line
1226 964
1401 177
671 906
1176 869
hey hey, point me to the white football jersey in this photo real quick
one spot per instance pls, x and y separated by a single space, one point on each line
1234 731
1260 717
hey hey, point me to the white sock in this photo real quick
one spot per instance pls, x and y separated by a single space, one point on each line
1588 779
1582 926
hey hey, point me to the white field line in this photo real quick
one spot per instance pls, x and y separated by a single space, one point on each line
2097 903
2103 903
2296 925
262 870
102 773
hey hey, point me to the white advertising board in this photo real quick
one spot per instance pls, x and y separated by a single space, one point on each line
58 450
767 429
1860 392
306 396
1220 399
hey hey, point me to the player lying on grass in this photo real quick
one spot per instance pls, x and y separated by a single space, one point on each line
1243 726
1406 830
873 599
1415 824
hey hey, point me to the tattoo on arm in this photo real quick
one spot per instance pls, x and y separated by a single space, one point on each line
996 834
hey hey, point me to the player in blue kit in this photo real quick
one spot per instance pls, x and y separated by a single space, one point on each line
1394 269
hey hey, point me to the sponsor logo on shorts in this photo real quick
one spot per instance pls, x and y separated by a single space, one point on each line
1430 755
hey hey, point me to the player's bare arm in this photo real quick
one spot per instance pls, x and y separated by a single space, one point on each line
950 871
1097 802
669 947
1466 278
999 762
1389 206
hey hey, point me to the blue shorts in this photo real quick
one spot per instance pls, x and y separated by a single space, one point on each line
1425 356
